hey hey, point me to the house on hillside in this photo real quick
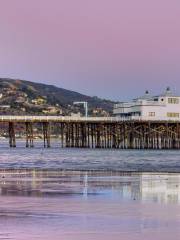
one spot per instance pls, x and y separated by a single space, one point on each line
52 110
78 114
39 101
99 112
5 107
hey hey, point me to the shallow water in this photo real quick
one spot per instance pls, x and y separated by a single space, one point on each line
74 205
88 159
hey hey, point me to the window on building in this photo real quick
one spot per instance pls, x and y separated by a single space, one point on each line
135 113
173 100
152 114
172 114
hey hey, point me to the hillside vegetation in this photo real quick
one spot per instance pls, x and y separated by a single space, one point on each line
25 97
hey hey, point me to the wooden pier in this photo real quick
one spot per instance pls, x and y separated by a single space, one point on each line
91 132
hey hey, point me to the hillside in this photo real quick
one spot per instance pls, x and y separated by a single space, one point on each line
20 97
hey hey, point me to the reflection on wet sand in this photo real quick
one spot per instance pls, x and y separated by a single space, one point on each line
162 188
72 205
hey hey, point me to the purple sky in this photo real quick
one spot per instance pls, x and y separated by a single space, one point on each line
111 48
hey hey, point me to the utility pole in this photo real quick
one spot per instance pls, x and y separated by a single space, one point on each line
85 104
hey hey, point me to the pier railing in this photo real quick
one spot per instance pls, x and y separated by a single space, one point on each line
26 118
57 119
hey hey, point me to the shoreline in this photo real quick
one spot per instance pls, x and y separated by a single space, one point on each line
93 171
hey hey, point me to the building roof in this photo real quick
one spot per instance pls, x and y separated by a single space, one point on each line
145 96
148 97
167 93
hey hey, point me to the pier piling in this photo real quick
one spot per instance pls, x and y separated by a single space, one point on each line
46 134
29 134
12 138
99 133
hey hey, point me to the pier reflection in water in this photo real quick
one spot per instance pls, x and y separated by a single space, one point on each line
77 205
161 187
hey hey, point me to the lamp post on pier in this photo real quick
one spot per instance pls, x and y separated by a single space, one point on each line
85 104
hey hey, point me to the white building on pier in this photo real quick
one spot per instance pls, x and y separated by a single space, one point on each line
162 107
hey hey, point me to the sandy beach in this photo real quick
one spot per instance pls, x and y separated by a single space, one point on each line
89 205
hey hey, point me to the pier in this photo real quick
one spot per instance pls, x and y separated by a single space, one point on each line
94 132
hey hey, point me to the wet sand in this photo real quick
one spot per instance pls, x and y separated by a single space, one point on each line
74 205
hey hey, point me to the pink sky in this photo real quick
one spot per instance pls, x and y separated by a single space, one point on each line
110 48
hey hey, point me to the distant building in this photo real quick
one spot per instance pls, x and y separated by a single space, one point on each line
99 112
162 107
52 110
20 100
23 109
39 101
5 106
76 114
